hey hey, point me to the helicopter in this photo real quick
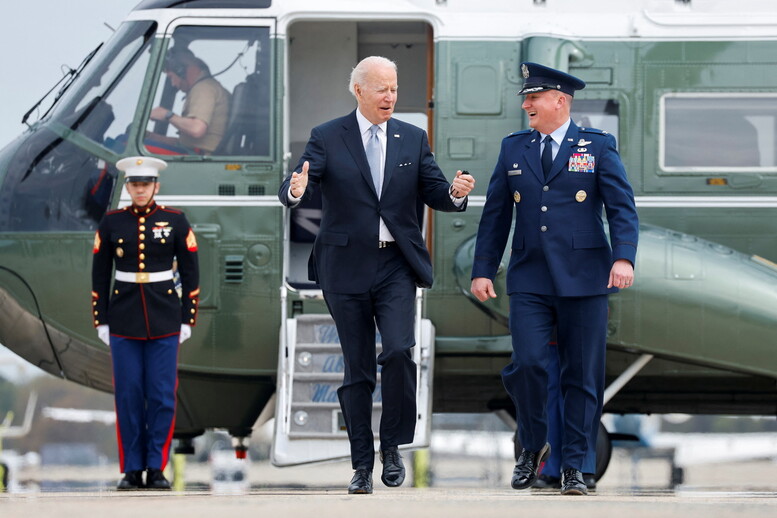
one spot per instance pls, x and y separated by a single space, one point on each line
686 87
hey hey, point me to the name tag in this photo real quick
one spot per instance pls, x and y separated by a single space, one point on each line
514 172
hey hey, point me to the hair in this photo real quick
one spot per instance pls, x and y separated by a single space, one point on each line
179 58
360 71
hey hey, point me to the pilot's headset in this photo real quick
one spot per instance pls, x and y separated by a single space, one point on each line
177 60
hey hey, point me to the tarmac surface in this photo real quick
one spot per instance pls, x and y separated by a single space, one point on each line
462 487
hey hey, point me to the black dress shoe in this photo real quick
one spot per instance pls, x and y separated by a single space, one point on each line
590 481
132 480
361 483
547 482
529 463
155 479
572 482
393 468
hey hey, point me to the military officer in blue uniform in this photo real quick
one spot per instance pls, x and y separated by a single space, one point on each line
556 178
143 318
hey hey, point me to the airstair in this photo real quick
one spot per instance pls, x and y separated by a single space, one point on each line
309 425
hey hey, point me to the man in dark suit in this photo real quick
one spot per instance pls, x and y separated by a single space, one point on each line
373 172
556 177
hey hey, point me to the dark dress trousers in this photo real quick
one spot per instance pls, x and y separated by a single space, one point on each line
558 272
363 284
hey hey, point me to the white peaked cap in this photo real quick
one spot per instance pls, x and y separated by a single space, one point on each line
136 167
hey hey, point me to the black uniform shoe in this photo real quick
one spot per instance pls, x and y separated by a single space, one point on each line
529 463
132 480
572 482
393 468
547 482
155 479
590 481
361 483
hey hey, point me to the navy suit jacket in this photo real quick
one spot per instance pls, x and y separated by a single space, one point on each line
345 252
559 244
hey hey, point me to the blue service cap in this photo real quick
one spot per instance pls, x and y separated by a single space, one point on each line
538 78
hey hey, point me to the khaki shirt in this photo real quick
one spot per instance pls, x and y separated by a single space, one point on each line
207 101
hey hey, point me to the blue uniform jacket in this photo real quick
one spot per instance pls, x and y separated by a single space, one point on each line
345 253
559 245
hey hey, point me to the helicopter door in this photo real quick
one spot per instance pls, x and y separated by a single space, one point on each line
308 422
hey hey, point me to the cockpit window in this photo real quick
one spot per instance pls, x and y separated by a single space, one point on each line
102 104
213 95
61 177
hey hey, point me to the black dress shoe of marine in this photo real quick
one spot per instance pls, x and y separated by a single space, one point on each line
590 481
393 468
361 483
528 466
132 480
572 482
547 482
155 479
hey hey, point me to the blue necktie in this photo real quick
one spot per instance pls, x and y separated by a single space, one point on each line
374 156
547 156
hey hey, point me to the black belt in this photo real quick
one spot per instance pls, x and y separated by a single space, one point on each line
386 244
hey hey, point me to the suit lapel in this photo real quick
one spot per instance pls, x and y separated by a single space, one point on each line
353 141
564 151
394 138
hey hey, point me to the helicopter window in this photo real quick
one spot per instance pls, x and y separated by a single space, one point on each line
703 132
59 177
213 96
599 114
102 104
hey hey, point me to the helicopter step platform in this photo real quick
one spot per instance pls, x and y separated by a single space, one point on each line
309 424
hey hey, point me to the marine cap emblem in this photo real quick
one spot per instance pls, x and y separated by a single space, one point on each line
517 197
580 196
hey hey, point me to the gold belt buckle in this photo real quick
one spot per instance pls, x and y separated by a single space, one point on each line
141 277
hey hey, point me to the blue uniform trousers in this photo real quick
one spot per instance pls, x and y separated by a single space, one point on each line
581 323
389 304
145 379
556 421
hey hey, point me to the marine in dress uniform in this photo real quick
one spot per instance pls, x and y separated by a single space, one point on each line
553 181
143 318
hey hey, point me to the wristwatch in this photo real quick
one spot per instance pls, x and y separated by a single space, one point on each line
169 115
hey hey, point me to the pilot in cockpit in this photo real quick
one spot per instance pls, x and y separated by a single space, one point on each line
203 120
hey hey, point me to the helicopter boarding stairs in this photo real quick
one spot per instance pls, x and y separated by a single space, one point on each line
309 424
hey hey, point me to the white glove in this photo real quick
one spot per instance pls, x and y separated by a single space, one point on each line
186 332
104 333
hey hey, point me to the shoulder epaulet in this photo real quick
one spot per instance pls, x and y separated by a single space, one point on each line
170 209
516 133
594 130
117 211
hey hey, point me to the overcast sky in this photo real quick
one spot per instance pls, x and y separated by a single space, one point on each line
37 37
